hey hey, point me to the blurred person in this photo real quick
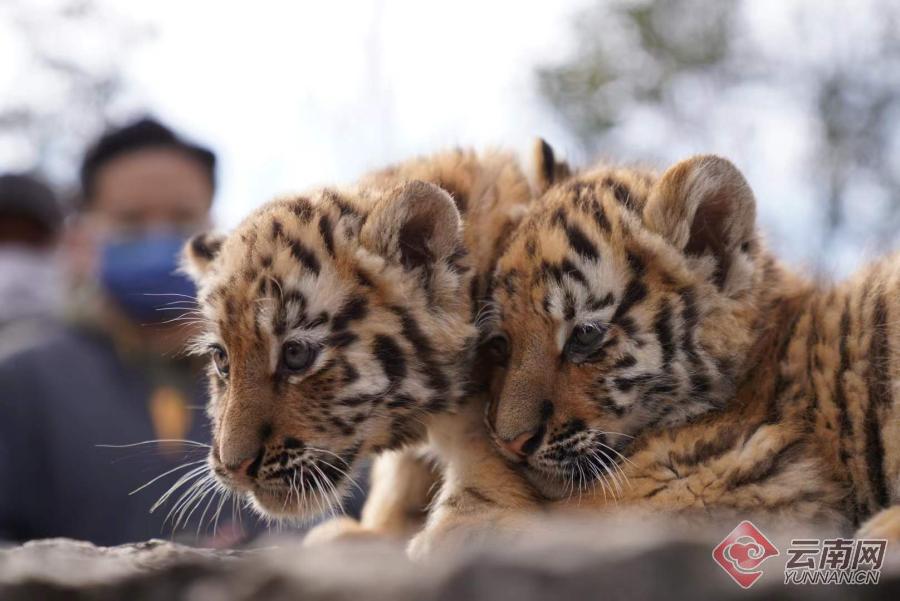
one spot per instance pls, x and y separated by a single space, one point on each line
115 375
30 279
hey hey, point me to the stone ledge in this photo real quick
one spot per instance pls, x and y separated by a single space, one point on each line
583 561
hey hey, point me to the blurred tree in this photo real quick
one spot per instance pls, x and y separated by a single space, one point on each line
64 81
632 53
674 63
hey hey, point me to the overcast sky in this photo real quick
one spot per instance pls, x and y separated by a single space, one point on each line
292 94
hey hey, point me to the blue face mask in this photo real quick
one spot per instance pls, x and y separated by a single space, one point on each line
140 276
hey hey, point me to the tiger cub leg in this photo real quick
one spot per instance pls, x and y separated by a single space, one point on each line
884 524
401 484
472 510
480 493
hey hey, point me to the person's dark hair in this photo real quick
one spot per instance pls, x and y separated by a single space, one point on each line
143 134
26 196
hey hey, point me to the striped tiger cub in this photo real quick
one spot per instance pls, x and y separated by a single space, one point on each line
339 326
652 354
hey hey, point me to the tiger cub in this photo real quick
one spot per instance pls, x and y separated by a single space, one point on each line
652 354
340 325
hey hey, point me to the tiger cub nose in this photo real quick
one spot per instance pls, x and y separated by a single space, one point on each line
246 468
526 443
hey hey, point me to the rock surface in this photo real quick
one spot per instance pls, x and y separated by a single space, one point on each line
583 561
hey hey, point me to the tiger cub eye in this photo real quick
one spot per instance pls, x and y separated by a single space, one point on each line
584 339
297 355
220 360
497 347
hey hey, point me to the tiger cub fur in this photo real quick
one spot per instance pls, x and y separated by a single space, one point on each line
652 354
340 326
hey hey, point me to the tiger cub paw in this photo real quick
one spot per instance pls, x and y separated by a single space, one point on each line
451 532
341 528
440 535
883 525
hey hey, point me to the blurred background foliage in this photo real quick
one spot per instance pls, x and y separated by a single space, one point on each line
676 63
69 81
803 95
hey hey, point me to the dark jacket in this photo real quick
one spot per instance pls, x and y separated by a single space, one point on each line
63 398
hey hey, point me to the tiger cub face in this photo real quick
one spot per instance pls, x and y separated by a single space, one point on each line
335 324
625 302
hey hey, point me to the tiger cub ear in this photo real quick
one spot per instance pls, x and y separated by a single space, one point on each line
704 207
415 224
548 170
198 254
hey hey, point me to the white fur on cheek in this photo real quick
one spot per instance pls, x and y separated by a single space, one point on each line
562 335
556 294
